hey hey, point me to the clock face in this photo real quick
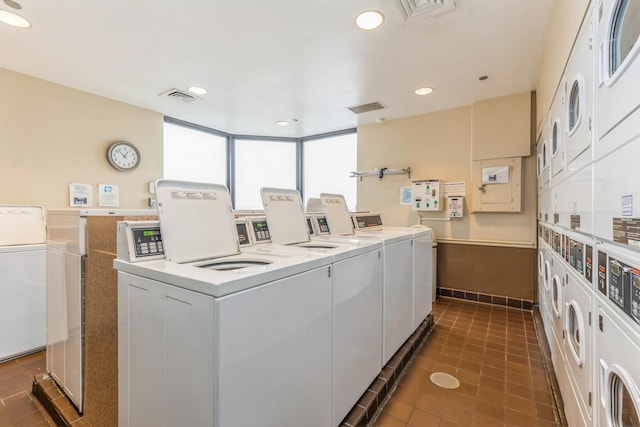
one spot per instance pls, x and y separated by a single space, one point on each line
123 156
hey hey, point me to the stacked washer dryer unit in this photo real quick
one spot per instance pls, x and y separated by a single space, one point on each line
356 274
591 207
398 268
617 210
209 335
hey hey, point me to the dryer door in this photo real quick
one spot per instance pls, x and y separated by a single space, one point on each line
622 398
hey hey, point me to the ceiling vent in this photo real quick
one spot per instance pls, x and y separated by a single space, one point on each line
421 9
180 95
365 108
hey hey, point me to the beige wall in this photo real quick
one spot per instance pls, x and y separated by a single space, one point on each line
562 31
438 145
52 135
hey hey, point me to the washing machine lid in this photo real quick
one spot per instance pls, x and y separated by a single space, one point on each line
21 225
337 213
196 221
285 215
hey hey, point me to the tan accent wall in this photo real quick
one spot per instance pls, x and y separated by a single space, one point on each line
564 26
439 145
488 270
52 135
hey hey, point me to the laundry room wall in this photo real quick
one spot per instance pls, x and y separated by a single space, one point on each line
52 135
497 250
565 22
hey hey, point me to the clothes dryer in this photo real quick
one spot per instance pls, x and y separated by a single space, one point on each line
356 274
397 300
557 136
618 89
22 293
210 331
574 200
577 85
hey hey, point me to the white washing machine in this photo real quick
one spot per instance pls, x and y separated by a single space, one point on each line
357 292
397 299
618 91
557 300
422 259
618 370
22 289
557 136
214 336
578 88
616 200
577 396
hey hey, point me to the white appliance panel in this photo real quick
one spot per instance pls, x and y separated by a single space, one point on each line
575 200
422 277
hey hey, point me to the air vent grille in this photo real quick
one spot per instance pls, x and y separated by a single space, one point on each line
413 9
365 108
180 95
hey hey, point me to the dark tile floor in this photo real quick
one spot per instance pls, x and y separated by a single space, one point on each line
494 353
17 406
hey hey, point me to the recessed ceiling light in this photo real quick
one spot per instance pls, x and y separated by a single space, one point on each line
12 4
369 20
197 90
282 123
13 19
423 91
483 77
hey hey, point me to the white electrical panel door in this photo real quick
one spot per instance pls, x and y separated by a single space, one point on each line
496 185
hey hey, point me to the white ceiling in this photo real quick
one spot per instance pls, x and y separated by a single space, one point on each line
263 61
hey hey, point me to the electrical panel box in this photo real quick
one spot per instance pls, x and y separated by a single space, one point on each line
455 206
425 195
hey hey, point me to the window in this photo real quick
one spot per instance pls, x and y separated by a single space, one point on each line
193 155
327 165
625 30
262 163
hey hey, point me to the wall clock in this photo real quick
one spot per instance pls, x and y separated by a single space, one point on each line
123 156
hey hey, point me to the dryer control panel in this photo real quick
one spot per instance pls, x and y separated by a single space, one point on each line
139 241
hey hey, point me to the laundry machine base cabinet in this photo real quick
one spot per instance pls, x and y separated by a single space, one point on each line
256 357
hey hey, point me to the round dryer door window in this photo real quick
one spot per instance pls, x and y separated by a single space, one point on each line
573 111
556 293
622 409
575 330
547 275
624 32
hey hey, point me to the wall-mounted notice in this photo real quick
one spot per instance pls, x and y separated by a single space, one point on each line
627 205
108 195
80 195
457 188
405 195
495 175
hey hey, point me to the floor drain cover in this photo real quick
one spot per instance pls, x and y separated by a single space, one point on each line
444 380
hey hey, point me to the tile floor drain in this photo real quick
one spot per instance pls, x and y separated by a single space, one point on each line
444 380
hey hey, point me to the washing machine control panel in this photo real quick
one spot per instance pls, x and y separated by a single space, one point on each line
323 226
310 226
139 241
260 231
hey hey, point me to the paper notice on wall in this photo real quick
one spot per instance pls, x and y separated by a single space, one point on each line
80 195
495 175
457 188
405 195
108 195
